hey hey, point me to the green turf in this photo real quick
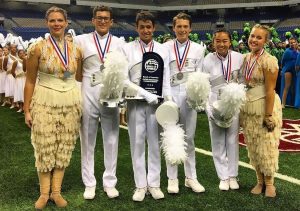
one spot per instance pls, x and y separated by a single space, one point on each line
19 183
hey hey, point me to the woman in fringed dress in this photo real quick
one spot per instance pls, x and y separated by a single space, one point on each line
52 106
261 117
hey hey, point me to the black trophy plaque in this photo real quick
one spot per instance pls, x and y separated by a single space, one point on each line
152 73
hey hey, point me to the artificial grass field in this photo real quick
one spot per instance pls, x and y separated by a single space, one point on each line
19 187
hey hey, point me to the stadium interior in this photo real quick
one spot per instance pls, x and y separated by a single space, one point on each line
26 18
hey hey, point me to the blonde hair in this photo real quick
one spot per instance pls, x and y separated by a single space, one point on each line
56 9
265 28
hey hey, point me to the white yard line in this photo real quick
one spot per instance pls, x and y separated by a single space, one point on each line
246 165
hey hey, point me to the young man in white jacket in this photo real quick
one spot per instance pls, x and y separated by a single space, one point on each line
142 124
186 57
94 46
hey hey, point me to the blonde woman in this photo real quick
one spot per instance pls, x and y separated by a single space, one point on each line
261 117
52 106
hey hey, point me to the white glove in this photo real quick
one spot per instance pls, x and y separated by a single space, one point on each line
168 98
149 97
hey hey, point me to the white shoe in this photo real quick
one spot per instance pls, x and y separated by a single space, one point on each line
173 186
194 185
224 185
139 194
233 184
89 192
111 192
11 107
3 104
156 193
20 110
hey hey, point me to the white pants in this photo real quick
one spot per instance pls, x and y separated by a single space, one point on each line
225 148
188 119
142 126
92 110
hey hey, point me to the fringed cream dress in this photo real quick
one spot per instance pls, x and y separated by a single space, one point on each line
262 145
55 109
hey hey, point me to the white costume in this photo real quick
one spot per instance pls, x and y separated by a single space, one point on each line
19 82
224 141
142 124
2 77
10 80
188 116
92 110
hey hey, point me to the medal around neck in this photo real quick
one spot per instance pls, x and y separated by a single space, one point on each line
67 74
179 76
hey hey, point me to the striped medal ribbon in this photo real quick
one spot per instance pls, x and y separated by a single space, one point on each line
101 52
226 71
180 60
249 68
64 58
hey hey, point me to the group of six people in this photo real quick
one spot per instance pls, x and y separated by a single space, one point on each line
54 105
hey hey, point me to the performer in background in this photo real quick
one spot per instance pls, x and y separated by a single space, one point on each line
223 66
52 106
142 124
261 117
94 47
185 57
288 72
20 77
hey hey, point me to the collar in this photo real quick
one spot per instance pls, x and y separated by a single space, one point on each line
144 44
102 37
182 44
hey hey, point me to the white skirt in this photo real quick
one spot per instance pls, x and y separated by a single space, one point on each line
2 81
9 86
19 89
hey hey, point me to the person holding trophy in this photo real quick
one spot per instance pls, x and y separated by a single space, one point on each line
186 57
149 72
95 47
223 66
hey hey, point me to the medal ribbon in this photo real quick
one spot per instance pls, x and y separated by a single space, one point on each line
249 68
226 71
101 52
181 60
143 48
64 59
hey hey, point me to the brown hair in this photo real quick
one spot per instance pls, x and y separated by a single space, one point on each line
183 16
144 16
102 9
56 9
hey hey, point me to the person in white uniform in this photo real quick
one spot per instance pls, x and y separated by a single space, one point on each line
94 47
20 77
142 124
185 57
223 66
11 62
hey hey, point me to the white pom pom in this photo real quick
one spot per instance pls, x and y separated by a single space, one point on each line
232 98
198 88
173 144
114 75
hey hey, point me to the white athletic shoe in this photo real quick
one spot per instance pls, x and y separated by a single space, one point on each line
224 185
139 194
156 193
194 185
233 184
111 192
173 186
89 192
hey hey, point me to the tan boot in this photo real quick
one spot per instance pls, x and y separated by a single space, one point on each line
44 179
260 183
270 188
57 178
